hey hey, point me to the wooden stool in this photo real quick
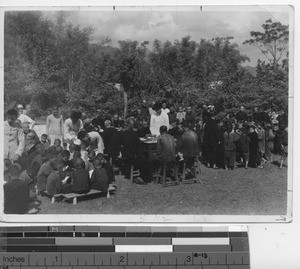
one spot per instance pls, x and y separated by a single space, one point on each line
166 181
134 174
197 172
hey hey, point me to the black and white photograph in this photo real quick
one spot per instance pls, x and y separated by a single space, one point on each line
148 114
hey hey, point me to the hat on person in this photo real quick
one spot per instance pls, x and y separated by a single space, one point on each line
20 106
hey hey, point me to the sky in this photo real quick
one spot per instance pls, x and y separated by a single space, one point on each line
175 23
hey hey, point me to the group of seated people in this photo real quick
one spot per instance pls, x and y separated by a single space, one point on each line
33 167
52 170
82 155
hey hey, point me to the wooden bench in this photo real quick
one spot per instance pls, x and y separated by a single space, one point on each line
75 197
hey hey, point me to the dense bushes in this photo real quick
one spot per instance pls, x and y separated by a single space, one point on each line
49 63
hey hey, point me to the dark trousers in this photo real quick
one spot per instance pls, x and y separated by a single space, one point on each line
146 168
212 155
127 167
229 158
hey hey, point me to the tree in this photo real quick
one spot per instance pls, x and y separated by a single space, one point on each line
28 47
273 42
271 81
43 60
217 60
134 72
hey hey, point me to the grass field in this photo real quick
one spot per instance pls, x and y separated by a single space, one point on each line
238 192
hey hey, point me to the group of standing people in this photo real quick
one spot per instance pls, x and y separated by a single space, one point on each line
248 138
79 153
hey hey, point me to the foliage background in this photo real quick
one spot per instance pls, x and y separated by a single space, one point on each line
54 63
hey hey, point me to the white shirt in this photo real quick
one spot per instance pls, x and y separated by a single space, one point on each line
54 126
71 130
157 121
14 140
165 110
25 118
96 142
180 116
151 111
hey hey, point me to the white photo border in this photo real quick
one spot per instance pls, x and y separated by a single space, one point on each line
150 219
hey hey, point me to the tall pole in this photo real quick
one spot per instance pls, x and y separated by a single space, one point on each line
125 104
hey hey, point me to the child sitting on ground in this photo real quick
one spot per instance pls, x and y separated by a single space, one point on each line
76 155
99 178
57 143
54 179
36 162
58 146
59 151
109 169
67 163
80 177
73 148
91 158
24 176
45 140
46 169
16 193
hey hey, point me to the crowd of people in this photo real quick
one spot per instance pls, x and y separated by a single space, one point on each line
82 152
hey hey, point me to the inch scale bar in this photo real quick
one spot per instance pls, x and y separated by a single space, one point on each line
132 267
123 260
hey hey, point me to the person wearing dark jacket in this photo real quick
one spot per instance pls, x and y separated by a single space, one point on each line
229 142
107 135
99 178
116 141
255 115
254 157
189 116
165 146
130 150
283 119
172 115
188 144
281 144
144 130
211 140
16 193
264 117
80 178
176 131
244 142
241 116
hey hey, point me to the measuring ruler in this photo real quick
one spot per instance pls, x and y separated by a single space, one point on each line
75 247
